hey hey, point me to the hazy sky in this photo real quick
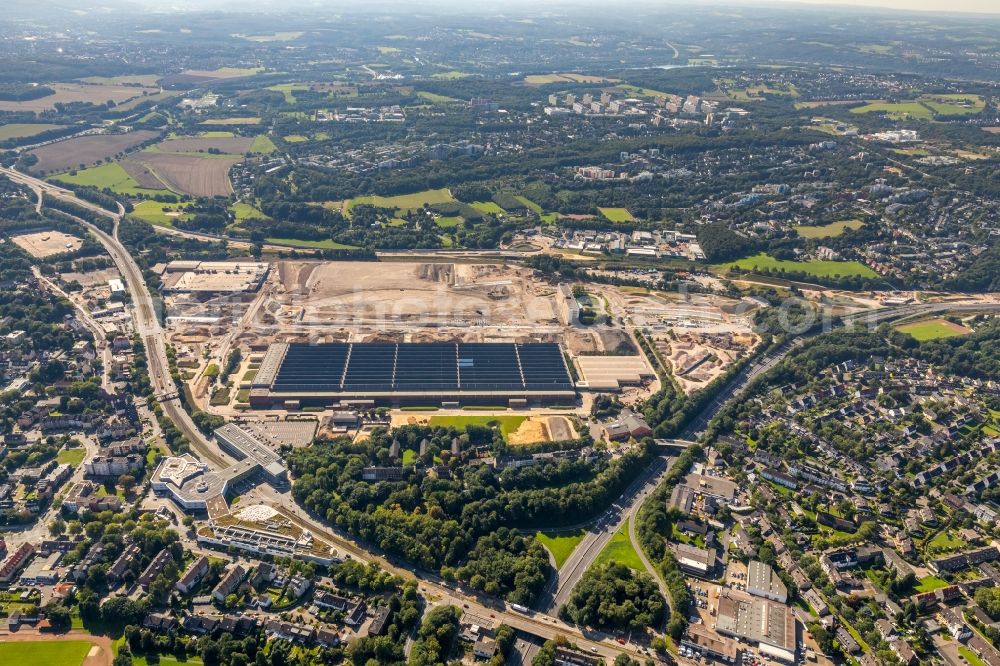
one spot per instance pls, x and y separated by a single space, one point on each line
984 6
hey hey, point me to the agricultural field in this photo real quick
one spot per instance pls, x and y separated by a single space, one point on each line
194 174
226 144
232 121
289 90
451 75
86 150
44 652
78 92
223 72
617 214
434 98
815 267
560 544
566 77
141 80
828 230
289 36
25 130
933 329
954 104
404 202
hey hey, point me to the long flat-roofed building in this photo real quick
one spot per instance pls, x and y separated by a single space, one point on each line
769 624
364 374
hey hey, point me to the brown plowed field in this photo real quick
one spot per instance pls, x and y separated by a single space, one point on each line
71 153
230 145
77 92
141 174
197 176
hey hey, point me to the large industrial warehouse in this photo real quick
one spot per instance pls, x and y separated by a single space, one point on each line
425 374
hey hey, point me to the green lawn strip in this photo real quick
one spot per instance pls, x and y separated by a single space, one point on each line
561 544
44 653
620 550
316 244
409 456
529 203
817 268
970 657
507 424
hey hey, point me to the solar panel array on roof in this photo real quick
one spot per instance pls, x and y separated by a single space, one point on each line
312 368
417 367
543 366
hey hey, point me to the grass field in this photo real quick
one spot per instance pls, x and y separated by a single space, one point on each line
620 550
929 584
488 207
506 423
245 120
44 653
816 267
828 230
560 544
23 130
112 176
933 329
943 542
155 212
72 456
450 75
315 244
434 98
409 456
617 214
530 204
288 90
263 144
295 138
405 201
897 110
244 211
449 221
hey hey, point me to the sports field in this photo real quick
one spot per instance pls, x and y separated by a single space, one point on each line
933 329
560 544
617 214
44 653
405 201
828 230
507 424
620 550
762 262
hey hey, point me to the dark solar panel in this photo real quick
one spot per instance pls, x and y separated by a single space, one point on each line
370 367
543 367
312 368
416 367
426 367
488 367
